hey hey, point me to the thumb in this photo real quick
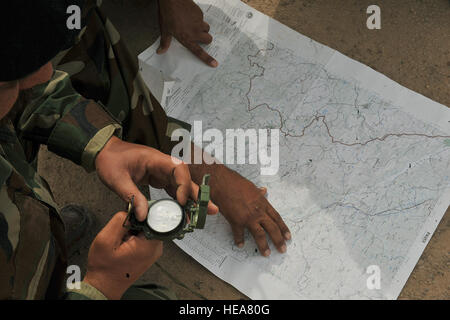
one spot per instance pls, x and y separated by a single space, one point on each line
164 43
146 248
113 232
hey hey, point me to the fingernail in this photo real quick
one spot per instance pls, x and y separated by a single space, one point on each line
266 253
287 235
240 245
214 63
158 50
283 248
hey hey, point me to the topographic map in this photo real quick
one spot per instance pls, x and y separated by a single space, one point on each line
364 174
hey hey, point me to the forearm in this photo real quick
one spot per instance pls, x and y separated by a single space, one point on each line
221 178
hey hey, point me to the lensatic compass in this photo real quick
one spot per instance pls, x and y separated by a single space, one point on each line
167 219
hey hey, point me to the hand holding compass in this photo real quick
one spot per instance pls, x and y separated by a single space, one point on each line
168 220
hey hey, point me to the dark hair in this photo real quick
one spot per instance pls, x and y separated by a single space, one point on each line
32 33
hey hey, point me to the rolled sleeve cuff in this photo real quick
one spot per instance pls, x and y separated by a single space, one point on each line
82 132
172 125
96 144
85 292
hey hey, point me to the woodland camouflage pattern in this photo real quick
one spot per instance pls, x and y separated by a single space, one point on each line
95 92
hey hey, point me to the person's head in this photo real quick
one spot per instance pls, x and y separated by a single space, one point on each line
32 33
10 91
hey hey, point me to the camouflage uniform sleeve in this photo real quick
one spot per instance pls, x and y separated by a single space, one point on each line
85 292
32 254
172 125
72 126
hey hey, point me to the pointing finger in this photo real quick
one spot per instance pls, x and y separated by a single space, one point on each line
201 54
164 43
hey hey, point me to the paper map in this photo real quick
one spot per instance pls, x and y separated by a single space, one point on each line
364 175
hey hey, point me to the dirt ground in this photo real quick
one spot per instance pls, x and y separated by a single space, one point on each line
412 48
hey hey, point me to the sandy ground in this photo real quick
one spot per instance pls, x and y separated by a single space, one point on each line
412 48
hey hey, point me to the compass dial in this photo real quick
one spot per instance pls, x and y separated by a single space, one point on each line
164 215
